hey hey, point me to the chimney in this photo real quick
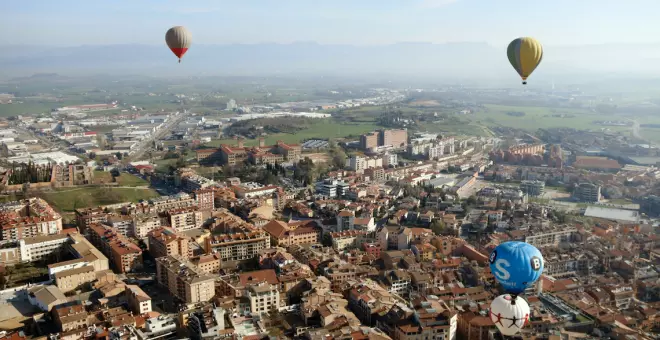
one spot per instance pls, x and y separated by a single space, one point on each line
262 142
239 143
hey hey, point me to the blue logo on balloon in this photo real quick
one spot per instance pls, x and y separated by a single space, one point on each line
516 265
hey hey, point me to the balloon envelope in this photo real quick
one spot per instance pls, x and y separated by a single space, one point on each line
509 315
516 265
178 39
525 54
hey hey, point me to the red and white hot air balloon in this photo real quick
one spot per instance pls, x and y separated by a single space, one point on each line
178 39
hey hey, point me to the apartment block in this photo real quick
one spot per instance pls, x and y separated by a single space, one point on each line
125 255
184 280
183 219
28 218
398 138
261 288
238 246
285 234
69 280
550 236
138 301
587 192
205 199
143 224
532 188
123 223
87 216
40 247
166 242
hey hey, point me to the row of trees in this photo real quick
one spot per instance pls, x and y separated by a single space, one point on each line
30 173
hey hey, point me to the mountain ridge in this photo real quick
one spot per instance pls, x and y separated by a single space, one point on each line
453 59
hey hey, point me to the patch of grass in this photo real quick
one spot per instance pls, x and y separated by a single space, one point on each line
71 199
129 180
23 273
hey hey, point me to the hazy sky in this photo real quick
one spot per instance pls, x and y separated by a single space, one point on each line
554 22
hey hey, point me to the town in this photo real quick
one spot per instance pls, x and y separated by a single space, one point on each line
236 232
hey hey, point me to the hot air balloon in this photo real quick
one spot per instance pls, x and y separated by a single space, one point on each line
525 55
509 314
516 265
178 39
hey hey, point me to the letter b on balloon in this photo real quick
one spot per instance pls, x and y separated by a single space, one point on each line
516 265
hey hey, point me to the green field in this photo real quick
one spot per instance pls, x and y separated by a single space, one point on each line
536 117
124 179
70 199
129 180
323 129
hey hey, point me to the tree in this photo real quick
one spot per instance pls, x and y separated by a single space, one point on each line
612 192
326 240
119 156
472 200
339 161
438 227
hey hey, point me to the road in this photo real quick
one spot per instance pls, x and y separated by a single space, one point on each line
145 145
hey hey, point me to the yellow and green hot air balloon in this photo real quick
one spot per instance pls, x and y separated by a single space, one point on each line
525 55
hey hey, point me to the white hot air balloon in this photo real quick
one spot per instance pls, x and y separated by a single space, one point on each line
509 315
178 39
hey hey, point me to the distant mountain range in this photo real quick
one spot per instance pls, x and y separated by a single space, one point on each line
450 60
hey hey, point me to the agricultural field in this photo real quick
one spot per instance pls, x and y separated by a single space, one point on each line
536 117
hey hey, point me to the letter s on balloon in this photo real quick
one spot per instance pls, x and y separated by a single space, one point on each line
502 274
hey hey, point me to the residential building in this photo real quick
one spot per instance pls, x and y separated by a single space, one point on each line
367 298
143 224
239 246
331 188
123 224
138 301
205 199
350 239
45 297
261 288
207 322
87 216
359 164
397 282
184 280
209 263
125 255
432 319
390 159
532 188
70 317
551 236
587 192
369 141
183 219
41 247
284 234
398 138
28 218
166 242
375 174
72 279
